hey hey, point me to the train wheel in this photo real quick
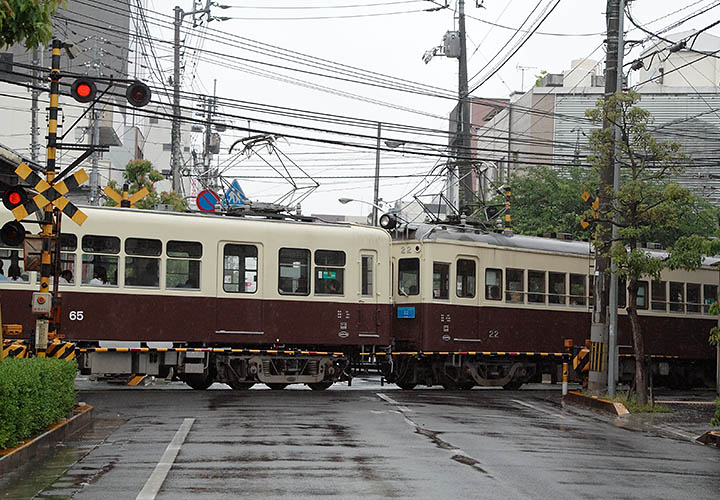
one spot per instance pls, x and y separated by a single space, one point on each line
197 381
406 386
513 385
466 386
320 386
241 386
277 387
450 385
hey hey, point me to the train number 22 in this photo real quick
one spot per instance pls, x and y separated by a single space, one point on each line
494 334
76 315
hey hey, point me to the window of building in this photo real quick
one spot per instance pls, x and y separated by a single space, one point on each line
441 280
659 295
142 262
577 289
621 293
167 147
677 297
515 285
710 293
154 120
642 295
100 260
367 271
536 286
294 271
329 272
493 284
556 287
693 298
409 276
465 280
240 268
183 264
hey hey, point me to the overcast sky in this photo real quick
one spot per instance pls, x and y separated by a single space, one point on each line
391 44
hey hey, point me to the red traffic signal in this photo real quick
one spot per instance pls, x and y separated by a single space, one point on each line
12 234
138 94
83 90
14 197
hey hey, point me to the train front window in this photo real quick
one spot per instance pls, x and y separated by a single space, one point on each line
142 263
294 271
493 284
693 298
515 285
329 272
240 268
99 260
183 264
710 292
409 276
465 281
367 275
441 280
556 286
577 289
659 295
677 297
536 286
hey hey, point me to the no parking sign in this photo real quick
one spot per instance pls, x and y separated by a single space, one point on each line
207 200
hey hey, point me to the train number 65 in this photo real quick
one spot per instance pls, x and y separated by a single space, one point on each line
76 315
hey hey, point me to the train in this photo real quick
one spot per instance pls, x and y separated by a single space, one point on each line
285 300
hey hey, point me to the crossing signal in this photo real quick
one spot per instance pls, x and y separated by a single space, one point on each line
83 90
12 234
14 197
138 94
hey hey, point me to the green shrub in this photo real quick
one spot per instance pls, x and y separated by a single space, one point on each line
716 419
34 393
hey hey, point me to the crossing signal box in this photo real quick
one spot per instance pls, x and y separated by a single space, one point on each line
138 94
12 234
14 197
83 90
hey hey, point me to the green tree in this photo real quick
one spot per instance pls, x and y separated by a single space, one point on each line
646 203
139 174
27 21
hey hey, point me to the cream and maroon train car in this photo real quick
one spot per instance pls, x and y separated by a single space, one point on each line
484 308
293 288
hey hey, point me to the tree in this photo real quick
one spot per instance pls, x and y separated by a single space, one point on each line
28 21
139 174
646 205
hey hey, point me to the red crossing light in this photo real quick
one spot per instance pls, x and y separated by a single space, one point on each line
83 90
14 197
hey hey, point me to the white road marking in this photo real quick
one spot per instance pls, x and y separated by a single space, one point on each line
677 432
537 408
390 400
157 478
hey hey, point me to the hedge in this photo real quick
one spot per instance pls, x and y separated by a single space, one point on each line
34 394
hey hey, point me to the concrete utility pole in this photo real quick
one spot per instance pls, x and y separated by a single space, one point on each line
597 378
35 109
95 132
463 126
376 191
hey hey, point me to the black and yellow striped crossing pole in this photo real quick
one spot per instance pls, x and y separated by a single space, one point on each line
508 218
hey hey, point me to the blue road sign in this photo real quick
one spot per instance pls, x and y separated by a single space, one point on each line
234 196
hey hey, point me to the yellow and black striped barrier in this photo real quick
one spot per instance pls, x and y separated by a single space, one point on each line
581 361
60 350
14 349
469 353
597 356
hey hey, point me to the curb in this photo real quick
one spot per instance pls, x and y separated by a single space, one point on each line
14 458
596 403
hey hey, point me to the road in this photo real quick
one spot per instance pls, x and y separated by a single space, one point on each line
367 442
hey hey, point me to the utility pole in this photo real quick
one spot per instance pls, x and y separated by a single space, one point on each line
209 176
376 191
94 197
463 125
34 108
597 378
612 323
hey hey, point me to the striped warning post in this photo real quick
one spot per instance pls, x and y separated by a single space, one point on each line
581 361
597 356
15 349
60 350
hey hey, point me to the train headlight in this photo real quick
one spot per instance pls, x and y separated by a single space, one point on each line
387 221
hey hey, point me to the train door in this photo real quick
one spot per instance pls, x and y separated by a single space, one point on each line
239 305
368 310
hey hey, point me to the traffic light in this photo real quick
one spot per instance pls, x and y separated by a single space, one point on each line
83 90
14 197
138 94
12 234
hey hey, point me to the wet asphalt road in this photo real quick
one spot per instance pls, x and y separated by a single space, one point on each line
366 442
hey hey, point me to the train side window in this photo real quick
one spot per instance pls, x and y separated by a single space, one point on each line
577 289
99 260
642 295
493 284
68 245
591 290
12 266
367 271
240 268
441 280
659 295
556 287
710 293
409 276
536 286
515 285
183 264
294 271
677 297
465 280
329 272
142 262
693 298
